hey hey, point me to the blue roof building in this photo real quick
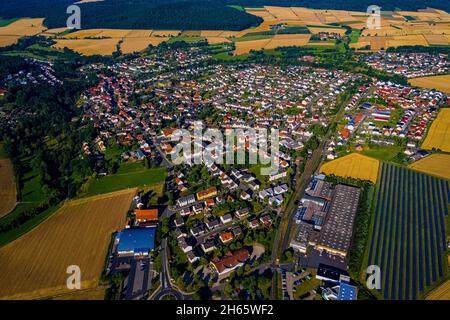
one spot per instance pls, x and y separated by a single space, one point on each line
347 291
137 241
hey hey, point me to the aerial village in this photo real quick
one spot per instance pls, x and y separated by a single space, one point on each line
221 214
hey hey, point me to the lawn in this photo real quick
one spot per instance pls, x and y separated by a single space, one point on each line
223 56
354 36
387 153
113 152
129 175
256 170
307 286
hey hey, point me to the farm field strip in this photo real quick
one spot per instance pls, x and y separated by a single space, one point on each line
89 46
7 187
354 166
435 164
34 265
441 82
408 238
438 136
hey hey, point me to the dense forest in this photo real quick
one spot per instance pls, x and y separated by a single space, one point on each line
137 14
40 135
361 5
182 14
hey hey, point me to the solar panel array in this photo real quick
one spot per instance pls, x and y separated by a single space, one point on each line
408 240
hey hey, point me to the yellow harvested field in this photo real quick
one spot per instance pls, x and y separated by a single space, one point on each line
54 31
438 136
210 33
165 33
306 15
213 40
383 31
228 34
114 33
7 187
130 45
409 40
139 33
435 164
340 31
320 44
377 43
278 40
441 83
436 39
353 166
35 265
89 47
90 294
266 15
107 33
243 47
23 27
11 33
282 13
440 293
285 40
81 34
8 40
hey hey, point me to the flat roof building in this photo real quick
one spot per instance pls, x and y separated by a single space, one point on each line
301 241
336 234
136 241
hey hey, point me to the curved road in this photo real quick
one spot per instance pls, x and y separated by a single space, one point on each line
166 285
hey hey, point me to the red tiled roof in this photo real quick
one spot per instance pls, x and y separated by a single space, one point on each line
148 215
230 260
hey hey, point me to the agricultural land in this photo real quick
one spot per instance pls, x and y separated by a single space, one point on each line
440 293
299 27
435 164
354 166
34 266
7 187
12 32
408 237
439 134
441 83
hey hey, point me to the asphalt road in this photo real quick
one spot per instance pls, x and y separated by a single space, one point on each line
166 285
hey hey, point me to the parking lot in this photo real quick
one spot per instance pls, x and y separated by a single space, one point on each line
302 281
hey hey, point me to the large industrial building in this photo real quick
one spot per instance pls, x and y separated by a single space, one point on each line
326 218
336 234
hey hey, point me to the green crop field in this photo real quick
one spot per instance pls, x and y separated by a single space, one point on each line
387 153
128 176
5 22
